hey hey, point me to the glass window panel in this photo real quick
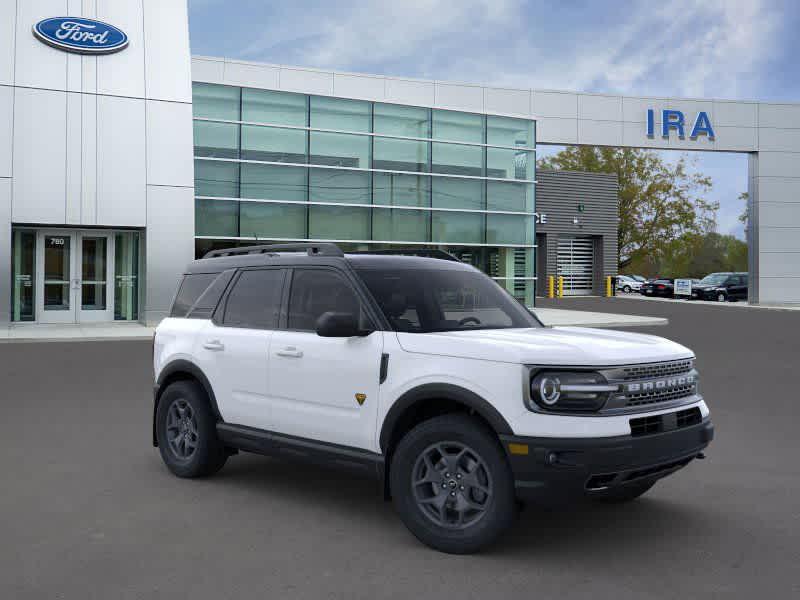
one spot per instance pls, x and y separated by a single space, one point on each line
339 150
273 182
506 195
457 126
56 272
338 223
457 159
400 155
23 259
338 185
507 131
281 108
220 140
192 287
255 300
337 113
317 291
509 164
213 178
508 229
400 225
462 228
93 273
407 121
217 217
126 276
401 190
215 101
257 219
273 144
451 192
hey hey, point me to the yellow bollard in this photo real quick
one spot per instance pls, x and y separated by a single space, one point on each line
561 286
551 287
608 287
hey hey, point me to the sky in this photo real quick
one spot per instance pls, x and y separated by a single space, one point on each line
733 49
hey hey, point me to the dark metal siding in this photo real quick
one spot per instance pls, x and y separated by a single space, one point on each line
558 194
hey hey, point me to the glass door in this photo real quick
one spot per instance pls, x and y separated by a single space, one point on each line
55 277
95 273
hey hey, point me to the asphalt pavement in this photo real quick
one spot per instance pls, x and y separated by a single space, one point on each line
89 511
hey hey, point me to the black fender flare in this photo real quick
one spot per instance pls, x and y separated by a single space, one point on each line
186 367
440 391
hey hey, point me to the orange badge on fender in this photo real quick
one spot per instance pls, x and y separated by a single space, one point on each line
360 398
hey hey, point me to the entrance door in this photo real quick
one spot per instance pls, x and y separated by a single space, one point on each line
73 273
575 262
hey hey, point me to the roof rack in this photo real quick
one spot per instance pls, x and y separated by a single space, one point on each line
313 249
425 252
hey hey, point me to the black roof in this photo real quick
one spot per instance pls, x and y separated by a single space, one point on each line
320 254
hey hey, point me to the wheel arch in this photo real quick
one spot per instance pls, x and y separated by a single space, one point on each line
182 370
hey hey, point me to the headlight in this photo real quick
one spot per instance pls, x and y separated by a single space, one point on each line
572 391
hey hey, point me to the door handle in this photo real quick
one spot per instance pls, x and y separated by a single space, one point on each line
214 345
290 352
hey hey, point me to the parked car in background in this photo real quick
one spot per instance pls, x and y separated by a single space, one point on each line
663 288
627 284
638 278
722 287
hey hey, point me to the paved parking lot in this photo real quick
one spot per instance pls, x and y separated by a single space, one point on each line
88 510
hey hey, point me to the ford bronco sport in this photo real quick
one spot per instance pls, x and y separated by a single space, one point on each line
423 372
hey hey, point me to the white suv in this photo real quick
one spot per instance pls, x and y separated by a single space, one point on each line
420 371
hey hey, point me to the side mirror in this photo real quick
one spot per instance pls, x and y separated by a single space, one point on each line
339 324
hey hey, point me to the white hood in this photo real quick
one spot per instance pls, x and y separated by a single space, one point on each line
561 346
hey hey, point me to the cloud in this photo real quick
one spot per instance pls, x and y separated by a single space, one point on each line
687 47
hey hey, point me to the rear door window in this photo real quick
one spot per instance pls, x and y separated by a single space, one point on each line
254 301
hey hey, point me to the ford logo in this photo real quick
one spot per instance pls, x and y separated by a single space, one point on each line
84 36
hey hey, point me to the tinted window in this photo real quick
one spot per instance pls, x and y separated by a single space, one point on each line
207 302
316 291
191 289
255 300
423 301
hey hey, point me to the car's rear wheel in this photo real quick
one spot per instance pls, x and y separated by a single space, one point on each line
186 431
721 297
627 289
624 493
451 484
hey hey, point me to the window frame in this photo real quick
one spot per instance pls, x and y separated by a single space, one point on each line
218 318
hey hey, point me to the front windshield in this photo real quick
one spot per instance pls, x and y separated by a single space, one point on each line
714 279
430 300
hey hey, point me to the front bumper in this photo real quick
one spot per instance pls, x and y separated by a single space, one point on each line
547 469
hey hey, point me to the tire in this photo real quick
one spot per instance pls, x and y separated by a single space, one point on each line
721 297
622 494
467 518
183 409
627 289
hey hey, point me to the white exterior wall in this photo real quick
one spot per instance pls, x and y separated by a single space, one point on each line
92 140
770 132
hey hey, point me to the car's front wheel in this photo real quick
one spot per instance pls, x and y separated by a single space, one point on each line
627 289
721 297
452 485
186 431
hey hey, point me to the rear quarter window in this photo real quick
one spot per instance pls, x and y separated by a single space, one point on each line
190 290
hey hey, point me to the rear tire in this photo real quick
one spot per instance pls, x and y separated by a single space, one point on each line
627 289
186 430
722 297
452 485
623 494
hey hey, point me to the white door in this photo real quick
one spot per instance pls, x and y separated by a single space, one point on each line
575 262
322 388
74 271
234 352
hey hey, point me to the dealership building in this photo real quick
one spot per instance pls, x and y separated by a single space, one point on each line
122 157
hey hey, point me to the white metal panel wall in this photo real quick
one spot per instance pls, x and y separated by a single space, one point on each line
36 64
6 128
121 73
167 58
169 144
8 25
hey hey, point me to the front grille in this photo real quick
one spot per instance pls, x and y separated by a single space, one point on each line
654 397
666 422
646 425
690 416
656 370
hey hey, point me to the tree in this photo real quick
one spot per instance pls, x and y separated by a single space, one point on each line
659 202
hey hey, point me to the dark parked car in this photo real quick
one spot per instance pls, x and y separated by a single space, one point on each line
721 287
663 288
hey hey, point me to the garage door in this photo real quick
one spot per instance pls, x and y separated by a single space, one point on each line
576 264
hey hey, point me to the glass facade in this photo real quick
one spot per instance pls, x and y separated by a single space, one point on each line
280 166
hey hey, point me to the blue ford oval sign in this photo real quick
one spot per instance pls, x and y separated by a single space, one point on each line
76 34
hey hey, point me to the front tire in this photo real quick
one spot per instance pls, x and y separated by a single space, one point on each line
186 430
721 297
451 484
627 289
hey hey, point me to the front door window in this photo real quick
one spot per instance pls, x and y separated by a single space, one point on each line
57 273
93 273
